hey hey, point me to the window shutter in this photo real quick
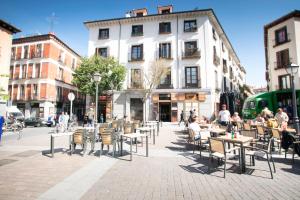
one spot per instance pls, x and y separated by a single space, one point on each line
198 77
142 51
96 51
159 50
278 57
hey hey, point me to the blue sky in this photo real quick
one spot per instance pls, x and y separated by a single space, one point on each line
242 20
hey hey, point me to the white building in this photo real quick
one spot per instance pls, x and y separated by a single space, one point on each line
282 47
202 60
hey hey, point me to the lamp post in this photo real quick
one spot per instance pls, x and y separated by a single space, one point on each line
292 69
97 79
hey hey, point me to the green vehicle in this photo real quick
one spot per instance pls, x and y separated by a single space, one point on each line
273 100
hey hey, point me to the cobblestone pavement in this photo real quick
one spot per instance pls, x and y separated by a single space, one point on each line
170 172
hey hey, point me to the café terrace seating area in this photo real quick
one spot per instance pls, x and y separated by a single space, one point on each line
220 150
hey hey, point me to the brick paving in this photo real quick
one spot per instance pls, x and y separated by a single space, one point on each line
170 172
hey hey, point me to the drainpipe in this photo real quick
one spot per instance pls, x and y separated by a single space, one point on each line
177 59
119 42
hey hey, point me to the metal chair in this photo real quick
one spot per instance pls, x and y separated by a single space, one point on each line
78 138
261 152
217 150
108 138
277 138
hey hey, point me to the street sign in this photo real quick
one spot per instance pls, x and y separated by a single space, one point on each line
71 96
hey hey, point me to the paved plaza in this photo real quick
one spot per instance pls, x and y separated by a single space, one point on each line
170 172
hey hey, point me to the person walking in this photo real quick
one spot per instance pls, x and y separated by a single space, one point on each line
181 117
1 126
61 120
66 120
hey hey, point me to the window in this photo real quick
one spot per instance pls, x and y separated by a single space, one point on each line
35 90
22 91
165 27
282 58
102 52
59 93
165 11
281 36
37 70
262 104
136 78
165 50
190 25
137 30
216 80
190 49
223 47
60 73
191 76
13 53
167 79
225 69
214 33
284 82
26 52
23 71
73 63
216 58
139 14
103 34
61 57
11 72
137 52
38 52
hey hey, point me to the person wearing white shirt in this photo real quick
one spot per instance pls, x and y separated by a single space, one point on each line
66 120
195 127
281 116
224 116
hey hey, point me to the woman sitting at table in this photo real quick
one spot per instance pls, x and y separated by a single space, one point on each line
195 127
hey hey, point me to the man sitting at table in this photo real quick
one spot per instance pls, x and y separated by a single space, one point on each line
224 116
281 116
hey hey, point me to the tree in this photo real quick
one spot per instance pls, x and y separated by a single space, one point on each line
157 71
3 94
83 77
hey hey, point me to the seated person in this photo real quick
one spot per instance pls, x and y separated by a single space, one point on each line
195 127
281 116
259 119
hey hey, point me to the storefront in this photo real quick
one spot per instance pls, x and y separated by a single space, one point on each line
169 105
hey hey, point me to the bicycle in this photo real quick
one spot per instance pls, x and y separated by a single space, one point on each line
14 127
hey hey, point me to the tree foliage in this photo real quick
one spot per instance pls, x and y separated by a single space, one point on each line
83 77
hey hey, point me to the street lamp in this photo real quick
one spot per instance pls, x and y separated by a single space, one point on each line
97 79
292 69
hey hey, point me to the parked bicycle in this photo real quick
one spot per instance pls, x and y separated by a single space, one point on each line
15 127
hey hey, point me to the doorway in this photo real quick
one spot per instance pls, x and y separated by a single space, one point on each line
136 109
165 111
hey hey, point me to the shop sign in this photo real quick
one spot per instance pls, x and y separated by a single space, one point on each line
190 96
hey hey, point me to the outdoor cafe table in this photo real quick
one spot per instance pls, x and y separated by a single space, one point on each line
241 140
146 130
215 132
54 135
157 125
132 136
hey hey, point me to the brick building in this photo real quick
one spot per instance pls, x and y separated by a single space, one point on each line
40 76
6 32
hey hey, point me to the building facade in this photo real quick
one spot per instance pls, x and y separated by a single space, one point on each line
282 47
41 72
202 62
6 32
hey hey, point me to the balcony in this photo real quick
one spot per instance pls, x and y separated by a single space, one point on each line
280 65
36 54
225 69
216 60
191 54
277 43
136 85
132 58
165 86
